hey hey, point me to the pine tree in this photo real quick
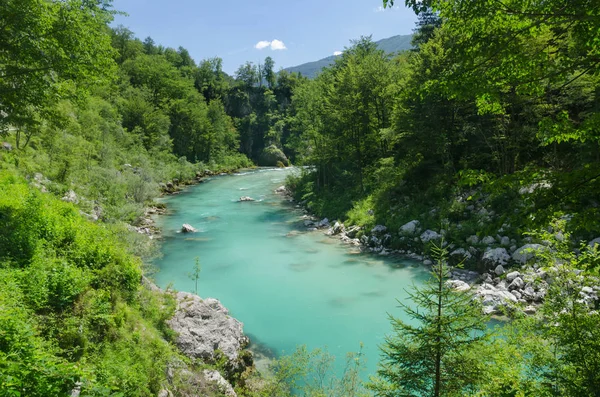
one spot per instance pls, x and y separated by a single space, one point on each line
435 353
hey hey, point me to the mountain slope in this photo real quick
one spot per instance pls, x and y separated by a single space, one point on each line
389 45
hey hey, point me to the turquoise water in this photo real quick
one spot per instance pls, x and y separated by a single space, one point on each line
288 286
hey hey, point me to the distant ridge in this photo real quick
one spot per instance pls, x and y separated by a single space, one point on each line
389 45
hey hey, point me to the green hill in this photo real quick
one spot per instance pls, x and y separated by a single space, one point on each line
390 45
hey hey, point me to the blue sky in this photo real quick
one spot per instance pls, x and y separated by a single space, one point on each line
308 29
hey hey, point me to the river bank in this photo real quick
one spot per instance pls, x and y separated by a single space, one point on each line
514 279
258 260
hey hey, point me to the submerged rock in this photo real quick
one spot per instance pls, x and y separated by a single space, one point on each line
187 228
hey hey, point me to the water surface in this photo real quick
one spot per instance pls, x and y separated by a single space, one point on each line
288 286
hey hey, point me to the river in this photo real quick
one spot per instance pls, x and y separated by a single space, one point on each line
288 286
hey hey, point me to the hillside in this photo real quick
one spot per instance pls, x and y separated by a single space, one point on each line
389 45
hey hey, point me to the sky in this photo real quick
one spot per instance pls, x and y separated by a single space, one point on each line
291 32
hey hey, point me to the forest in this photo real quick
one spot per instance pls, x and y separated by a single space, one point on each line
490 124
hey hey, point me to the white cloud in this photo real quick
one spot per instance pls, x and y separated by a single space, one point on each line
275 45
262 44
337 53
278 45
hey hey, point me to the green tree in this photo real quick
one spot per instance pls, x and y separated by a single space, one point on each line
268 73
195 274
434 354
50 50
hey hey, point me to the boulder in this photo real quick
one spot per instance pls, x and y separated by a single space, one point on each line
530 310
187 228
323 223
526 252
517 284
217 379
71 197
352 231
488 240
271 156
529 293
505 241
429 235
495 257
492 298
378 229
7 146
594 242
410 228
458 285
459 255
337 228
512 275
281 190
499 270
245 198
472 240
203 326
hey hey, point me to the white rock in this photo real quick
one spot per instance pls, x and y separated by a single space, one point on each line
216 378
429 235
410 228
526 252
71 197
594 242
473 240
505 241
496 256
323 223
462 254
499 270
512 275
517 283
530 310
458 285
187 228
488 240
533 187
204 326
337 228
378 229
245 198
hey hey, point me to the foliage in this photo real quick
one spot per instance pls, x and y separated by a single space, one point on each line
437 356
65 48
72 307
311 374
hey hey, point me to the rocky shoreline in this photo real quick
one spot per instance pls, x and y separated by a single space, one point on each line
206 334
512 281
